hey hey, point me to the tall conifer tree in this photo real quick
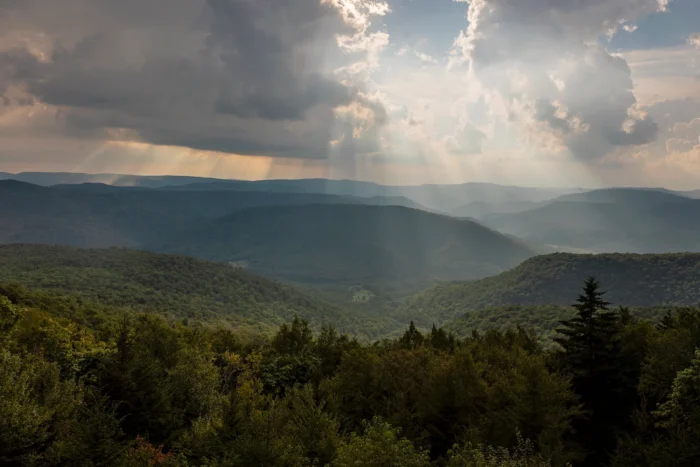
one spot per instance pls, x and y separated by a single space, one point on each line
591 353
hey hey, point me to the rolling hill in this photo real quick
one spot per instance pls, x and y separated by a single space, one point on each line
95 215
35 214
175 286
612 220
301 237
480 209
436 197
630 279
349 244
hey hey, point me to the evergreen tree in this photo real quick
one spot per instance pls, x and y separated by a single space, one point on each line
591 353
295 339
441 340
666 322
412 338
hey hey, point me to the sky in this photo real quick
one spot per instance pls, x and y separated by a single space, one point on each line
525 92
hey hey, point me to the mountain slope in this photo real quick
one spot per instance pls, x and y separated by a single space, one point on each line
35 214
480 209
177 286
613 220
98 215
630 279
350 243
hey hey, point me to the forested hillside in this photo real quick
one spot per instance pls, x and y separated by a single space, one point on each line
126 389
96 216
611 220
543 320
633 280
174 286
350 243
292 236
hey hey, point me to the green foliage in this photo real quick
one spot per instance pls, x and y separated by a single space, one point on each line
671 350
633 280
543 320
380 446
92 385
591 353
671 440
412 338
486 389
9 315
522 455
170 285
34 403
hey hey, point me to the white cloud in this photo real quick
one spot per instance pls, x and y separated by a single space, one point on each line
694 40
542 62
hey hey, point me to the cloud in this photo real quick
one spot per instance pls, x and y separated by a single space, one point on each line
236 76
543 63
694 40
467 140
422 56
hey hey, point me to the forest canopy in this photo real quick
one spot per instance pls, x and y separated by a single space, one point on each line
137 389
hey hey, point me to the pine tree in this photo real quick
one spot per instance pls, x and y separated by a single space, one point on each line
666 322
591 353
441 340
412 338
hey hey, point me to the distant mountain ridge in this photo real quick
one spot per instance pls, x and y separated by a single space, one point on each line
436 197
609 220
98 215
59 178
629 279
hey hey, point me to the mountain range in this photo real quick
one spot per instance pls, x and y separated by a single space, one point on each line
302 237
443 198
344 234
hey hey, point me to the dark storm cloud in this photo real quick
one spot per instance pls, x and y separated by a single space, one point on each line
238 76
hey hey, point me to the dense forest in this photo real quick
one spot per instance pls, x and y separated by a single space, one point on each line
137 389
177 287
636 280
532 294
543 320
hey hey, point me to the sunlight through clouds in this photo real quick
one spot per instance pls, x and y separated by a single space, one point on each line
387 90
